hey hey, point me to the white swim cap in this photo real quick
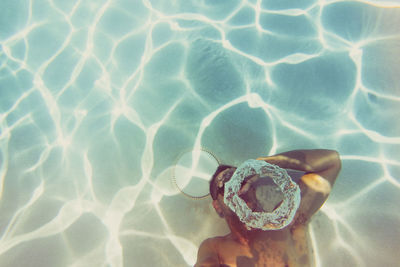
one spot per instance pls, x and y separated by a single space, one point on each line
282 216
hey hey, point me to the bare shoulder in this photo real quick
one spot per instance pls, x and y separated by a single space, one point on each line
207 254
208 243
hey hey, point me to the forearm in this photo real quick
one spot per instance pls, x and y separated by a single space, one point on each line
321 169
316 160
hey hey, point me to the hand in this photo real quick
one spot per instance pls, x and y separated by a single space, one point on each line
317 183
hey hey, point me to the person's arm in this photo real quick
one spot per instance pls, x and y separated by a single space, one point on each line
207 255
321 169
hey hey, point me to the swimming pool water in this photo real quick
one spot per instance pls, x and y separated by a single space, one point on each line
99 98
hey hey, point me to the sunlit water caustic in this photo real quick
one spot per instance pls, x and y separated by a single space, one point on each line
98 100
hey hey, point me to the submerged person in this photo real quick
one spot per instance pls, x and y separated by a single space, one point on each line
289 246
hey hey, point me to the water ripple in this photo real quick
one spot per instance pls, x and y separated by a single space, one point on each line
99 98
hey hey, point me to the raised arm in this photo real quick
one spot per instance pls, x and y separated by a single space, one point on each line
321 168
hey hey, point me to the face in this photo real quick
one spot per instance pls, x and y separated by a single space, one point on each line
222 209
219 205
230 217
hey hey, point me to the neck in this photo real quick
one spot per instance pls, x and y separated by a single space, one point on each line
239 232
239 237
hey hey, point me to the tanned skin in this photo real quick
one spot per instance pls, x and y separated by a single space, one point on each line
288 246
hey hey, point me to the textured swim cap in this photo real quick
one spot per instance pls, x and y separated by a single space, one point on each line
282 216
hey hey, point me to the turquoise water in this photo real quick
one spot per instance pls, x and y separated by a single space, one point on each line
99 98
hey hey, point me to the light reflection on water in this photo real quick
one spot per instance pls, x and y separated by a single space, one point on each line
99 98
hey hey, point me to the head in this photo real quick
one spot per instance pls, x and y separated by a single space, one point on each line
217 184
220 177
259 190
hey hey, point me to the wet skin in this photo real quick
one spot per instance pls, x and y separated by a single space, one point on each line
288 246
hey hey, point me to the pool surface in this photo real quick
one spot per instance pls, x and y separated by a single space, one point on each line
98 99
